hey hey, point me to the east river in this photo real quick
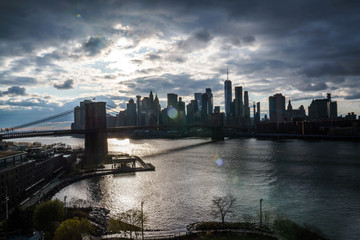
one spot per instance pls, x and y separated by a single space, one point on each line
313 182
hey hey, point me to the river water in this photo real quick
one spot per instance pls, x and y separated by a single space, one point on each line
313 182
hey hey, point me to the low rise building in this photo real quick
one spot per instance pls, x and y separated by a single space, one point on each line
22 175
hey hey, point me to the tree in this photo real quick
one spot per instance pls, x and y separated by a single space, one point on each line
19 220
48 215
222 206
127 221
73 229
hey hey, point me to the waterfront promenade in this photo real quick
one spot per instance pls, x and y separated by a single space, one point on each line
61 181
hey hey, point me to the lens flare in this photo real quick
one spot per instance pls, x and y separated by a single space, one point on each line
172 112
219 162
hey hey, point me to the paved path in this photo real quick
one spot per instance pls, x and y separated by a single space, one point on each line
181 232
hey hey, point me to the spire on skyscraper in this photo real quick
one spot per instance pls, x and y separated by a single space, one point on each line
151 96
289 108
228 95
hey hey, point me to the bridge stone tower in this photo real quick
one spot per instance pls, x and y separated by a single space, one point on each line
95 137
217 129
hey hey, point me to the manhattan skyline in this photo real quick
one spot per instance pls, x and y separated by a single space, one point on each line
56 54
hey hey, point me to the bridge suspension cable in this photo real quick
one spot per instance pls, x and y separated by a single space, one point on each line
42 120
111 110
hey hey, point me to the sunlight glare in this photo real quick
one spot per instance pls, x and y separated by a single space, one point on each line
120 146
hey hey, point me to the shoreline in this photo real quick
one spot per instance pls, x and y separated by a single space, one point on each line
58 183
269 136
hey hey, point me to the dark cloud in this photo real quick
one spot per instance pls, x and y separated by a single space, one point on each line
7 79
325 70
311 87
94 45
248 39
196 41
292 43
68 84
14 91
182 84
352 96
203 36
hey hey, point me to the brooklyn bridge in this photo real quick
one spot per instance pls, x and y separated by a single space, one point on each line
95 131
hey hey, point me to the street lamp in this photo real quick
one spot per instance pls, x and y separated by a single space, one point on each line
6 203
65 204
142 221
261 213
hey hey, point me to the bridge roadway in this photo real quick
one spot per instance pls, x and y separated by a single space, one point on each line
67 132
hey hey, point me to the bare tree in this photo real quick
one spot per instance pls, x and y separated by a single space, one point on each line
222 206
127 221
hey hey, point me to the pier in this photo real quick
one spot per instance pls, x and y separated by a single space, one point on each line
121 163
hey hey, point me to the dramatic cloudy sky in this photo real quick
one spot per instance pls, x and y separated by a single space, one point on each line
55 53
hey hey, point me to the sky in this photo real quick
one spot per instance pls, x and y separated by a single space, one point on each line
56 53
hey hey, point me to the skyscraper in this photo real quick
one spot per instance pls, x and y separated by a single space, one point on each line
246 105
138 104
197 97
76 118
323 109
181 105
172 100
277 107
257 117
204 109
131 113
82 113
239 111
210 101
228 95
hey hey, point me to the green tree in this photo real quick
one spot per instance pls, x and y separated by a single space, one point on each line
48 215
127 221
19 220
73 229
222 206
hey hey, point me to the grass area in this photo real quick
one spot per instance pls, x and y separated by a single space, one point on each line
8 153
219 226
292 231
225 236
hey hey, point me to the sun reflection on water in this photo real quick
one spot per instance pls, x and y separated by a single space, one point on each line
120 145
139 147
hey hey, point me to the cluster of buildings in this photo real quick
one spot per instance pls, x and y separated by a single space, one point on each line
319 110
24 170
147 111
239 112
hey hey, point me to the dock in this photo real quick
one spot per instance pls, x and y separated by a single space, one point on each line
130 164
